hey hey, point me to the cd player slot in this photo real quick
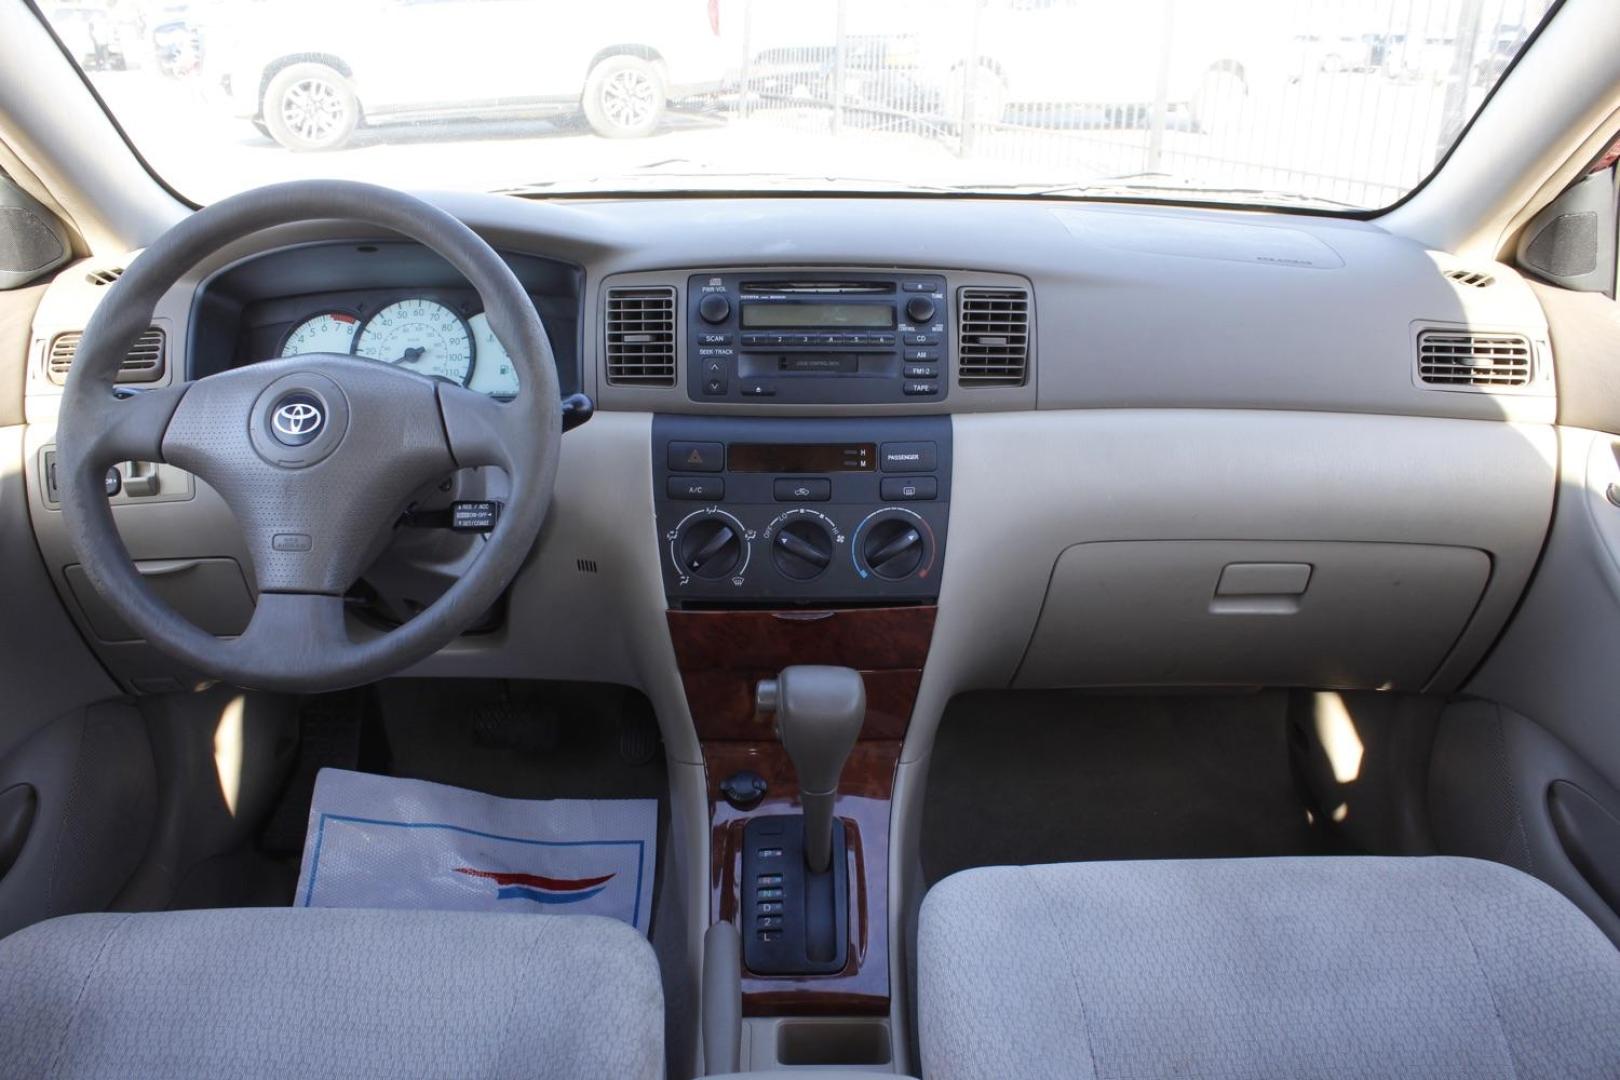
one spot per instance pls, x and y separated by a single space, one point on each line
859 288
755 365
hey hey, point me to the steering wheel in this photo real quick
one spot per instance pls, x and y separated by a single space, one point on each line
315 455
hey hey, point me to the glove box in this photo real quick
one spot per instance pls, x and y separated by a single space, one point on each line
1252 613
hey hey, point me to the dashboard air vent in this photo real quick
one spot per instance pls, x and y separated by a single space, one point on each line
641 336
143 364
992 334
1477 279
105 276
1467 359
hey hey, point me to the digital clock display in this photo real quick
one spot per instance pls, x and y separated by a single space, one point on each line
801 457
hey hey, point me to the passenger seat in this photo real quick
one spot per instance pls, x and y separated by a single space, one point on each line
1250 969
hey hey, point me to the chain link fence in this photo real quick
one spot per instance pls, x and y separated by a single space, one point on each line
1349 101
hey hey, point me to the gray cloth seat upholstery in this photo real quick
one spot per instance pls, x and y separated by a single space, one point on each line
312 992
1263 968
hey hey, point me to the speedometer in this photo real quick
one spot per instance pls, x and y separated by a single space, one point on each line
329 332
419 335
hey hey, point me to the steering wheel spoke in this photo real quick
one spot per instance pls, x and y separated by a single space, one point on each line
130 426
477 428
305 629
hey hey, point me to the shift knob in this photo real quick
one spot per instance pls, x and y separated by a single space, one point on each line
819 712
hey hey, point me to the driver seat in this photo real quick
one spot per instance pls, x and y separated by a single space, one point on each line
327 992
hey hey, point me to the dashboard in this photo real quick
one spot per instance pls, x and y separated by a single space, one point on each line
1088 436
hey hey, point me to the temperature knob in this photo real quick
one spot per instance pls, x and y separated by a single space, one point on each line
894 548
709 547
802 549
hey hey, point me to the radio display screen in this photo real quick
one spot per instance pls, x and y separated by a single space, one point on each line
801 457
866 316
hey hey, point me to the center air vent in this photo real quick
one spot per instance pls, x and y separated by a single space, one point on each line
641 336
1468 360
144 363
992 334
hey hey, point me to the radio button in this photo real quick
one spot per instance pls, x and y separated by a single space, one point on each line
758 390
920 389
795 339
714 339
885 339
921 339
925 355
696 487
814 489
696 457
917 286
908 488
908 456
920 372
715 386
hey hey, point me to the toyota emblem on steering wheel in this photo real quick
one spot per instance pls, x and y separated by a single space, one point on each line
297 419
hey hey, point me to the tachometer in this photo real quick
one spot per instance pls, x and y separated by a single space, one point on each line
419 335
328 332
494 373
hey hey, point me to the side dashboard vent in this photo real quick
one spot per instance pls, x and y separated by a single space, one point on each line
992 334
1476 279
143 364
641 336
1466 359
105 276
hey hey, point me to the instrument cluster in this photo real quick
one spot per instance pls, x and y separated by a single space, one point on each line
427 334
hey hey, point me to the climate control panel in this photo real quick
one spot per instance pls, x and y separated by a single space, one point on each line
777 510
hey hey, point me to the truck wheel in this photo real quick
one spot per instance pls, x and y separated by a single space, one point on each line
624 97
310 107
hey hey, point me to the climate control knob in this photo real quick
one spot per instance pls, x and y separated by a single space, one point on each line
709 547
802 549
895 547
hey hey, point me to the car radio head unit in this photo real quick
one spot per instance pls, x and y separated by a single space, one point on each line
817 338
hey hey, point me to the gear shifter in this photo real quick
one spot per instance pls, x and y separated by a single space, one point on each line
819 711
795 875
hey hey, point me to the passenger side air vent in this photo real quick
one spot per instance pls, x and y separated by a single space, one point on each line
992 334
641 336
144 363
105 276
1462 359
1477 279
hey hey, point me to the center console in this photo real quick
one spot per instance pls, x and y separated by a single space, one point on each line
789 541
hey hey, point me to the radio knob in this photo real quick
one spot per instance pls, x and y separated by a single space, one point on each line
714 308
920 309
894 548
802 550
709 548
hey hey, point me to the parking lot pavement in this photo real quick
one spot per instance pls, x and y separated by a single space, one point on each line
1353 137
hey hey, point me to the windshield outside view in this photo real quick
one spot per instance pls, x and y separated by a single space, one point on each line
1343 104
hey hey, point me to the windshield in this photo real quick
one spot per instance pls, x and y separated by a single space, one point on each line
1338 104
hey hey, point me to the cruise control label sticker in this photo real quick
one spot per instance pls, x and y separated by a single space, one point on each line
384 842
